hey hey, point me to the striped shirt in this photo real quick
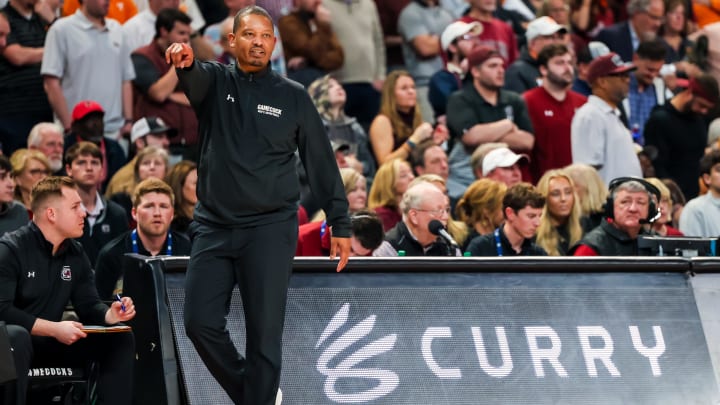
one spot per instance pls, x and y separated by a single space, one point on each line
21 87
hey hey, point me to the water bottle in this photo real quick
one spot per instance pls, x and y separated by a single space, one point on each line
636 136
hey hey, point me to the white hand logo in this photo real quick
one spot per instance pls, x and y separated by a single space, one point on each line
387 380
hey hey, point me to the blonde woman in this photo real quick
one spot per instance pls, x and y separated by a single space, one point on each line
153 162
663 224
591 193
399 126
388 187
29 167
355 186
560 223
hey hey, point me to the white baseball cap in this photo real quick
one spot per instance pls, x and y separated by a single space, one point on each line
457 29
543 26
500 157
150 125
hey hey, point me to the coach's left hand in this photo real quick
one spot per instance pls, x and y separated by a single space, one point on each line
340 246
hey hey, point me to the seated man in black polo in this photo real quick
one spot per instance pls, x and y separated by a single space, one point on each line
632 203
153 202
42 269
421 203
522 208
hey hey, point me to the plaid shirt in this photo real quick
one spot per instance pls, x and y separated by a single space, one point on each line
641 103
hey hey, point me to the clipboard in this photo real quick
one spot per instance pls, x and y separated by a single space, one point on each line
106 329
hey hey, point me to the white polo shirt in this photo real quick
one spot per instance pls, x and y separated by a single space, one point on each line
600 139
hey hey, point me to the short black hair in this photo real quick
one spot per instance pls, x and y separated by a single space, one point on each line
708 161
550 51
256 10
167 18
653 50
367 229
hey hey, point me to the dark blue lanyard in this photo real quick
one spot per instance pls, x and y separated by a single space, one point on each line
135 248
498 245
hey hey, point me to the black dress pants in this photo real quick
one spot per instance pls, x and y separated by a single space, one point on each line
259 261
113 352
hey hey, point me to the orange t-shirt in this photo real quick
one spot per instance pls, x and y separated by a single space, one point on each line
120 10
705 15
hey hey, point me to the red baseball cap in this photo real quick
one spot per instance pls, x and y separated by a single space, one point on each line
480 54
607 65
84 108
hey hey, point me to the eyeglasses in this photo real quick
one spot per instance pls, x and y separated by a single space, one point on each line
658 18
37 172
436 213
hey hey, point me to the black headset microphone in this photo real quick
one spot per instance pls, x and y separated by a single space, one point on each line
437 228
653 207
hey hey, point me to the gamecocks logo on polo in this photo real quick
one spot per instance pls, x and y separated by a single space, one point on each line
66 273
387 381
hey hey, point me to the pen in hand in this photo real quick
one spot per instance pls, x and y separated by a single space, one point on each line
122 306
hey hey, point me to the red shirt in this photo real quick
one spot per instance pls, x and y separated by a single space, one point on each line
389 217
497 35
551 121
313 239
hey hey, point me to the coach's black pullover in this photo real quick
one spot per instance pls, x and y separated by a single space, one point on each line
250 126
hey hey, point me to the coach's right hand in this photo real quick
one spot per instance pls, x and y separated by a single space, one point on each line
180 55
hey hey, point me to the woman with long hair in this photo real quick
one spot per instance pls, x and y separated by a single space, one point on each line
330 98
355 186
560 226
399 128
591 193
182 178
391 181
480 208
663 225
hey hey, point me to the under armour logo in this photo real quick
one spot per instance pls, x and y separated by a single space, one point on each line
230 98
338 369
549 113
31 274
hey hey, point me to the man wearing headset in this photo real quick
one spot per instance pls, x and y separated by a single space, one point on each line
632 203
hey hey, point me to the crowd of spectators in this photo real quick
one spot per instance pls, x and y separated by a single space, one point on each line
505 107
459 127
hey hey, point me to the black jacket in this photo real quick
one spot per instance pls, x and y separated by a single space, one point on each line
400 239
35 284
485 245
111 223
523 74
607 240
250 127
110 261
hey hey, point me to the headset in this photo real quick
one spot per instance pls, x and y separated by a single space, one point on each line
653 209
